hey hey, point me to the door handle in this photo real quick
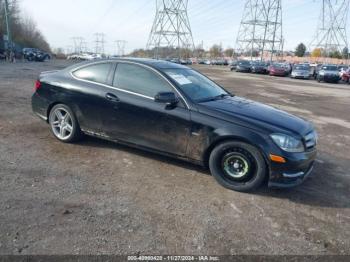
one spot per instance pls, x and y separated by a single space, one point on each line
112 97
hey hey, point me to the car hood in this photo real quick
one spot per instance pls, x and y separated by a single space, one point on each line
257 114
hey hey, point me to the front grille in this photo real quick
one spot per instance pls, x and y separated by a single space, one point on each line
311 140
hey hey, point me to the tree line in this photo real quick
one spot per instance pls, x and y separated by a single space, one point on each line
24 31
300 51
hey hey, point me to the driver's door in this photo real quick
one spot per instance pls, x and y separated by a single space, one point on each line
135 117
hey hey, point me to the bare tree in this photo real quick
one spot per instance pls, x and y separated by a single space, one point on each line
24 30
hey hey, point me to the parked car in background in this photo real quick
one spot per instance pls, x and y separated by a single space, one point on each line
259 67
317 70
84 57
346 76
342 69
301 71
221 62
185 62
278 69
244 66
233 65
244 143
175 60
328 73
34 54
288 67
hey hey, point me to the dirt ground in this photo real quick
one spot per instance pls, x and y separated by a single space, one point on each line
96 197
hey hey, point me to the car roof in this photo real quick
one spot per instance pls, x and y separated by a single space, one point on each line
157 64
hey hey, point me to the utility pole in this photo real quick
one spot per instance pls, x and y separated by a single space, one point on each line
120 44
331 35
171 27
8 30
261 29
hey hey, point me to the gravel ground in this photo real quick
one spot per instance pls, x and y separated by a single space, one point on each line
96 197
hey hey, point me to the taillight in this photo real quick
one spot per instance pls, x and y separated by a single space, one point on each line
37 85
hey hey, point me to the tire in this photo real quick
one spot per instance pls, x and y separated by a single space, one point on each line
64 124
251 172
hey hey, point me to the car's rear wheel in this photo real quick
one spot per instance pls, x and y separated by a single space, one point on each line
64 124
238 166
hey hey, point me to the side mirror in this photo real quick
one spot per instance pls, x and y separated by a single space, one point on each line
168 98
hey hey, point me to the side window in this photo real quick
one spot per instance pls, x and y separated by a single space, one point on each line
96 73
139 80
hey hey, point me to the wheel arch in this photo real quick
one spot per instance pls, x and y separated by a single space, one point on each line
234 138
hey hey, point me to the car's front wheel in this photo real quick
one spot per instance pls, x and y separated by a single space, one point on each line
64 124
238 166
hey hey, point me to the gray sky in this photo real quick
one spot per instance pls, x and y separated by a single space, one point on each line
212 21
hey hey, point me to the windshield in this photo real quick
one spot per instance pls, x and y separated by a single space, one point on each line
262 64
299 67
330 68
280 66
195 85
244 63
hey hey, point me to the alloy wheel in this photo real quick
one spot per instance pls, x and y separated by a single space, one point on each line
62 123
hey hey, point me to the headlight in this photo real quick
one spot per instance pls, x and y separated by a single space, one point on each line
322 73
288 143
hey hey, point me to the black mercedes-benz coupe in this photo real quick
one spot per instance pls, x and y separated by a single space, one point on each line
174 110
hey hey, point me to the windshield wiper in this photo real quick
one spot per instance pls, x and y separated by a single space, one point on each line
222 96
215 98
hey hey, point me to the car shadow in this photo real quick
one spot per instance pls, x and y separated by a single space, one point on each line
89 141
322 189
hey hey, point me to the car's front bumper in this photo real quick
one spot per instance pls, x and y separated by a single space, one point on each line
243 70
301 76
330 78
296 170
259 70
278 73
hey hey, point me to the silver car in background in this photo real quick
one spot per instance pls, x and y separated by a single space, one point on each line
301 71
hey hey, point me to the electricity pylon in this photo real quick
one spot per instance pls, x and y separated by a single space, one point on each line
100 43
171 27
331 33
260 32
120 50
78 44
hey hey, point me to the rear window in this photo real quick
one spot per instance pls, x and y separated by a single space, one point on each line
96 73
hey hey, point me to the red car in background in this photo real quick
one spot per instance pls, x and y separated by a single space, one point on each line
278 70
345 76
